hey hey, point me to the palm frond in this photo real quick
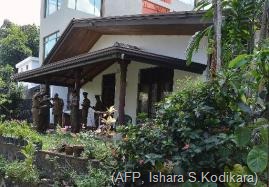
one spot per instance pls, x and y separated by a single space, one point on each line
202 5
194 43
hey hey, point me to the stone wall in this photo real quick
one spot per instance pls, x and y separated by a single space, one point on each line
10 151
48 162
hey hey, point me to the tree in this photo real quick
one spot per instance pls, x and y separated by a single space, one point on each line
32 38
17 42
216 61
4 28
242 19
10 93
264 22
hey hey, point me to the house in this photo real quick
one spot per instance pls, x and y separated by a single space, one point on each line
25 65
55 15
131 61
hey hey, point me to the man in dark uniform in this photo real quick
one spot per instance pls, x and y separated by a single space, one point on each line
45 105
85 108
40 105
99 108
57 110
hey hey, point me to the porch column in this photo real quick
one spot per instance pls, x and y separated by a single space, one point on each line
123 75
44 110
47 91
75 115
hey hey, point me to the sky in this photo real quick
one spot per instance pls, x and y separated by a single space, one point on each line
21 12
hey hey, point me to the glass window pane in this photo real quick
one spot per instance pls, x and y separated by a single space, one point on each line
49 42
85 6
97 7
72 4
52 6
59 4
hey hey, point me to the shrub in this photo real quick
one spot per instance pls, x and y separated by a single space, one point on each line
96 177
193 131
20 172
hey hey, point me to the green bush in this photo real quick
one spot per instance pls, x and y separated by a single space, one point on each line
193 131
19 129
10 93
95 178
20 172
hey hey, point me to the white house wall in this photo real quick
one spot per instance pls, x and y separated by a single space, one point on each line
173 46
62 92
56 21
122 7
170 45
95 86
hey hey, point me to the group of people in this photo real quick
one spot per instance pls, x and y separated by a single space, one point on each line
42 103
86 104
40 111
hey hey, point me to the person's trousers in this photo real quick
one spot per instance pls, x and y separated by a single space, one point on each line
58 119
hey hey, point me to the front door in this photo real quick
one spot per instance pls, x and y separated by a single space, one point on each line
154 85
108 90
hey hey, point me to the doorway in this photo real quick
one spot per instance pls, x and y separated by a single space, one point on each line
154 85
108 89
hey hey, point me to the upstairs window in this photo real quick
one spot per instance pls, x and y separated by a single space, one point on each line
52 6
49 42
88 6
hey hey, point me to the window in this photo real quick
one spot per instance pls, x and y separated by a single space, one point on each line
52 6
88 6
49 42
154 85
27 67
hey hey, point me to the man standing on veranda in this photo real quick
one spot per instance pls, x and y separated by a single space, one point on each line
58 105
85 108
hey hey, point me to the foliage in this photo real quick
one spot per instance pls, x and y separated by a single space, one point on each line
256 70
107 121
19 129
238 28
21 172
96 177
204 127
179 141
32 35
258 159
142 117
17 42
10 93
193 45
145 147
3 164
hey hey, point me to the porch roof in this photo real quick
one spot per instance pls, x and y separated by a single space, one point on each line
81 34
89 65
